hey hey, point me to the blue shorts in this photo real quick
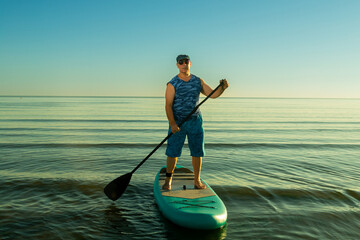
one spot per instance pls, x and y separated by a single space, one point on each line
194 131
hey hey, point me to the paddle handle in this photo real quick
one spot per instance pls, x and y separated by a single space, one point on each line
168 136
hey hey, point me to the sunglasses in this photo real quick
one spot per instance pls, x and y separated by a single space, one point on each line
186 61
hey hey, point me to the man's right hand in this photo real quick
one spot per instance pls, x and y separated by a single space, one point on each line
174 128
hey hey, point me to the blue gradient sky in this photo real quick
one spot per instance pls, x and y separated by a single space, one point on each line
127 48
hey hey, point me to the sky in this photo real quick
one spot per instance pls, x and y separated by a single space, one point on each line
264 48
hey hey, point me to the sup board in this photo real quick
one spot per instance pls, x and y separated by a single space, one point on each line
186 206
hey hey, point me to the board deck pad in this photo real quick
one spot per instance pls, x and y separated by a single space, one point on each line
181 177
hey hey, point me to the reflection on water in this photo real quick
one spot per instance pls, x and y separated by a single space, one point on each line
116 219
174 232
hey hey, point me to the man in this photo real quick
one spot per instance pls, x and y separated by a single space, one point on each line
182 95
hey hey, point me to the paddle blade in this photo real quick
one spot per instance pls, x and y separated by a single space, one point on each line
117 187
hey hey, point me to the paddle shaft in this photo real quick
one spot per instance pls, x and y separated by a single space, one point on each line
168 136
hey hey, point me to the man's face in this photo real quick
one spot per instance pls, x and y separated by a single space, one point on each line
184 65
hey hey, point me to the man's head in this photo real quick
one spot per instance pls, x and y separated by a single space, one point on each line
183 63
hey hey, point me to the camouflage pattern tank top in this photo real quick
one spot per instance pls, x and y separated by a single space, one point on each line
186 97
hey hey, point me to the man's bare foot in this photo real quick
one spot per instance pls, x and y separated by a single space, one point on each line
199 185
167 185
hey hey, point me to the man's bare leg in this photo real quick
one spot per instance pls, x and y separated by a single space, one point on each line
196 161
170 167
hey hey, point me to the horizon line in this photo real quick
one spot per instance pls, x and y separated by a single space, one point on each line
89 96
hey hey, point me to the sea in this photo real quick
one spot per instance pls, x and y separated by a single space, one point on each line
285 168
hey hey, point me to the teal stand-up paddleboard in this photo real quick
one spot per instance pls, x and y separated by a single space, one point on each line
186 206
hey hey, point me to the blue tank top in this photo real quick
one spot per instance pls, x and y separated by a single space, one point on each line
186 97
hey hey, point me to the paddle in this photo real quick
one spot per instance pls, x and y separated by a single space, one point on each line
117 187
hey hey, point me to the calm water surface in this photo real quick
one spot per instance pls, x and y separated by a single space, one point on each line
285 168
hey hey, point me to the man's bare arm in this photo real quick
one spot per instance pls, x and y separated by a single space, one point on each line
169 100
206 89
